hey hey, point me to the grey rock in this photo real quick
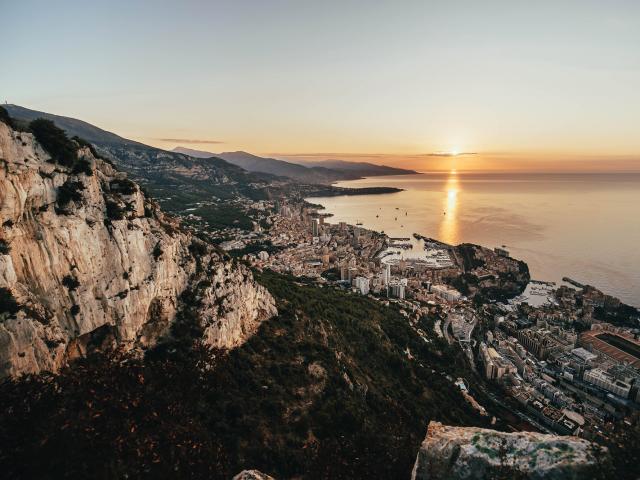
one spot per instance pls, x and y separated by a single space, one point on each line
252 475
476 453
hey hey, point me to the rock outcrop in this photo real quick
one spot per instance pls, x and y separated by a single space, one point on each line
252 475
87 260
477 453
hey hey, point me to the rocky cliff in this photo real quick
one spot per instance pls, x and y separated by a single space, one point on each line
87 260
477 453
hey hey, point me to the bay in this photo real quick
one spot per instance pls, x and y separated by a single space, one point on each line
584 226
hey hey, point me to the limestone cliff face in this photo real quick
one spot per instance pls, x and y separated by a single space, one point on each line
85 259
477 453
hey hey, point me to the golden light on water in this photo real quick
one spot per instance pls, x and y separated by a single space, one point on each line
448 231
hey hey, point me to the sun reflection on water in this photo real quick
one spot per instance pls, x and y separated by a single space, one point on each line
448 231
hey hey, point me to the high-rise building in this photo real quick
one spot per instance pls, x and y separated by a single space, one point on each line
314 227
362 285
386 273
353 271
344 273
396 289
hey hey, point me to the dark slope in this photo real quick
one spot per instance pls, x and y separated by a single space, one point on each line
324 390
254 163
326 171
72 126
364 169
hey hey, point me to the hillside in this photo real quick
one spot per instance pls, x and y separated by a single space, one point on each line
324 390
175 180
179 181
320 172
364 169
88 261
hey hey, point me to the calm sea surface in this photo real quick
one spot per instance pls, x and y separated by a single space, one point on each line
584 226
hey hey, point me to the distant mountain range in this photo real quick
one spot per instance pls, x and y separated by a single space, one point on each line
325 171
363 168
142 160
187 177
175 179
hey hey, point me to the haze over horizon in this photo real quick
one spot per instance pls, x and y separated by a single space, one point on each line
537 87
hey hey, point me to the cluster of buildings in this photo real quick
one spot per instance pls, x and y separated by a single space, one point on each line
348 255
567 381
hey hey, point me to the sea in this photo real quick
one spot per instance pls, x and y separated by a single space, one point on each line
582 226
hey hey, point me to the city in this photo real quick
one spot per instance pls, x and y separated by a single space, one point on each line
543 352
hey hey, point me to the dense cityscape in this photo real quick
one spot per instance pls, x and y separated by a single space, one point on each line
548 352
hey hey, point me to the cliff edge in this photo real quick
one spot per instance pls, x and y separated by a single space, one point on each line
87 260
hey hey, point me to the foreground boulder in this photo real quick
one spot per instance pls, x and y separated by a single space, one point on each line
252 475
478 453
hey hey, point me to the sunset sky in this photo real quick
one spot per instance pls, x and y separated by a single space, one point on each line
545 85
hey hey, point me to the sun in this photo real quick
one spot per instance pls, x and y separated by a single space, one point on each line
455 152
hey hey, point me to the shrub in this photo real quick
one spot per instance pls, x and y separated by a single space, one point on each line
69 191
198 248
8 303
55 141
5 117
123 186
83 166
157 251
4 247
75 310
70 282
114 210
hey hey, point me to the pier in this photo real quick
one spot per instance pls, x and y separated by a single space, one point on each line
572 282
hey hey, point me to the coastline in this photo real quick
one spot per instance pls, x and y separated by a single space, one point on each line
334 191
548 223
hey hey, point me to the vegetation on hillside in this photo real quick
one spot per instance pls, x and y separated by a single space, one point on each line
62 150
325 389
5 117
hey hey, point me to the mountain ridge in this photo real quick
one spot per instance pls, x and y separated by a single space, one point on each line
324 171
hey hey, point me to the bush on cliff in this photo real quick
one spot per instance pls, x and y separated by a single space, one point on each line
68 192
70 282
5 117
62 150
5 248
8 304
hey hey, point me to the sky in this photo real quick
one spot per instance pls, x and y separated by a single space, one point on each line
513 85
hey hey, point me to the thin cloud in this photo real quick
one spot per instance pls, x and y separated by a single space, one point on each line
449 154
190 140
